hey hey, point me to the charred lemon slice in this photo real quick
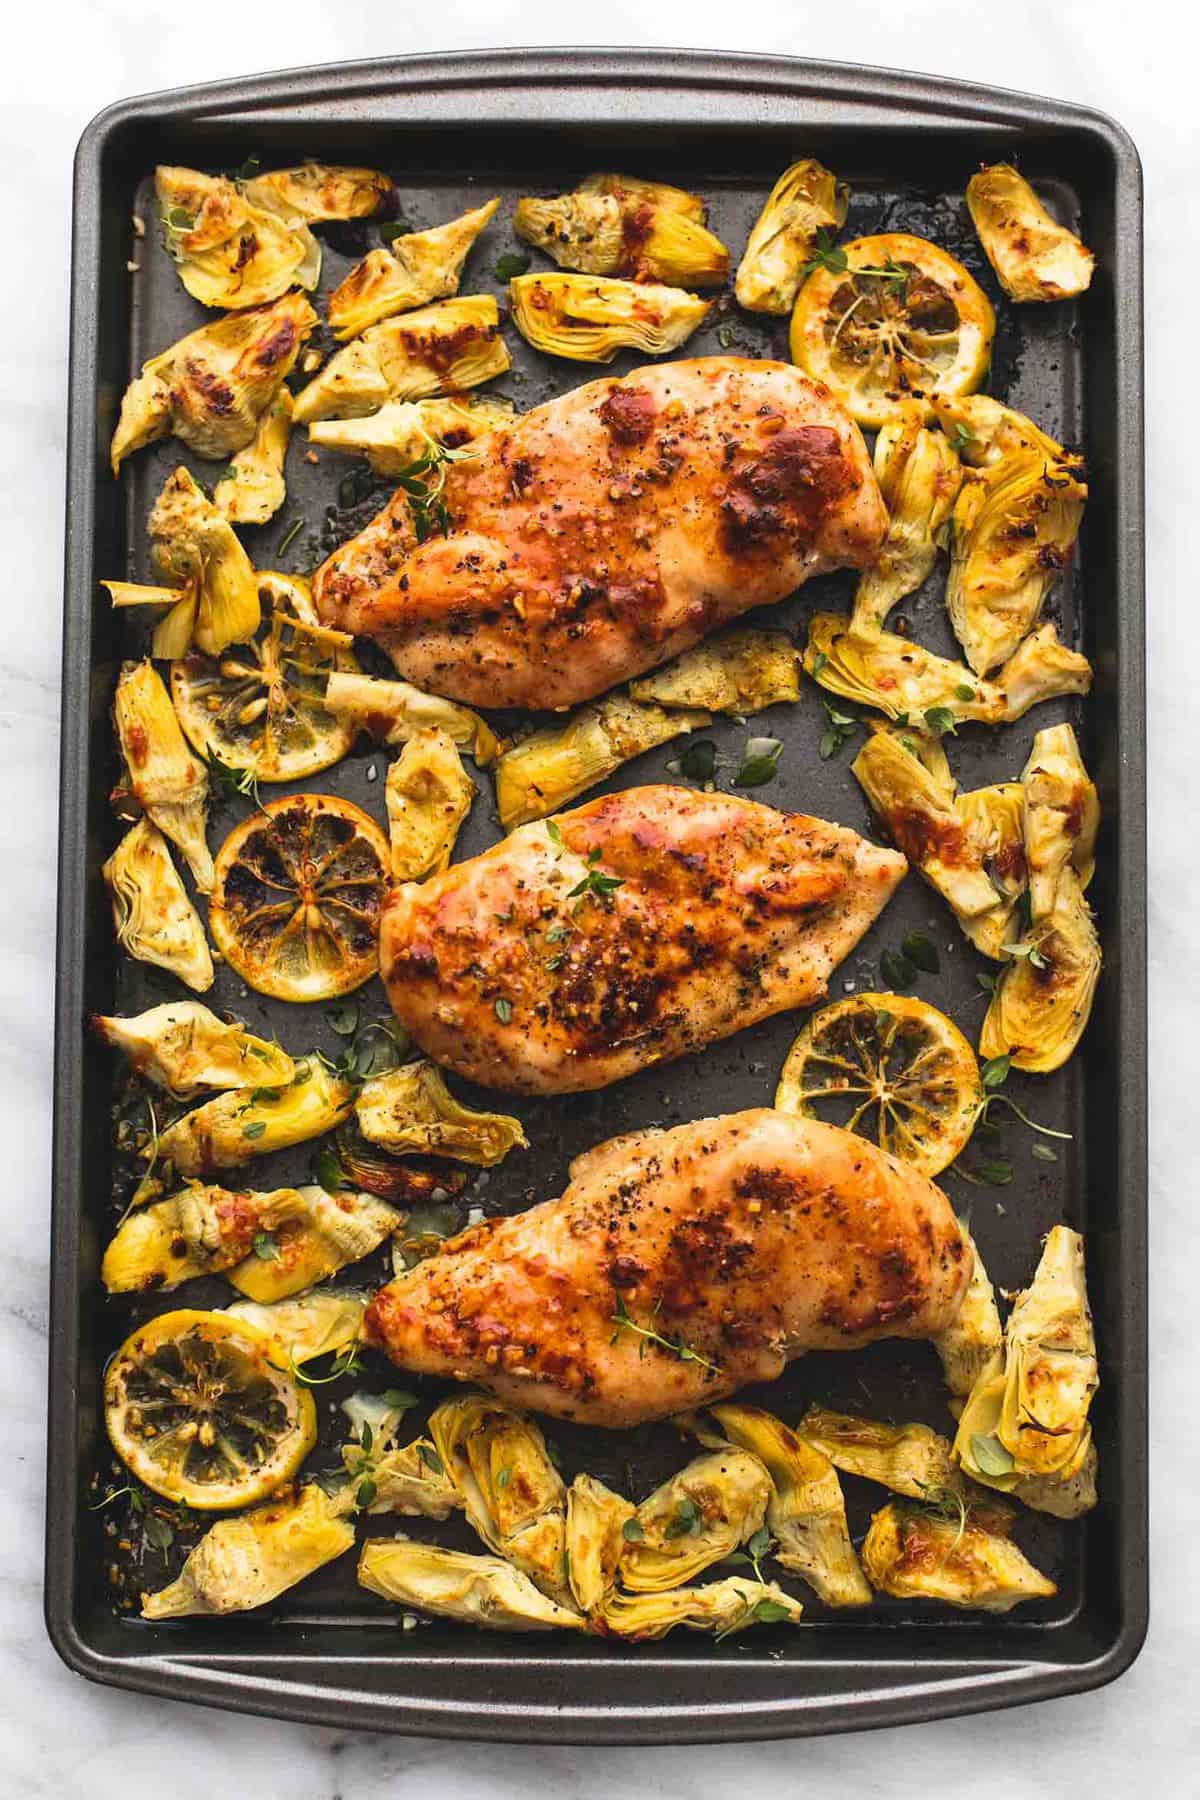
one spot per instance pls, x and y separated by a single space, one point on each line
197 1410
892 1069
260 705
299 888
888 318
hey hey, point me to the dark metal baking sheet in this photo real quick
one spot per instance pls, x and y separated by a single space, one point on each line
450 130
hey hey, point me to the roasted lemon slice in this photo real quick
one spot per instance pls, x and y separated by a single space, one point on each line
887 318
260 705
890 1068
197 1410
298 893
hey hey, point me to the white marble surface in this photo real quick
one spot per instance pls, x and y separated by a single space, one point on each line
59 1736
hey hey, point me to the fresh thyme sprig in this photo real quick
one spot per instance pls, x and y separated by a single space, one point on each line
423 481
650 1335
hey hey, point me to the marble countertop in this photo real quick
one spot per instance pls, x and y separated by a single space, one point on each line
59 1735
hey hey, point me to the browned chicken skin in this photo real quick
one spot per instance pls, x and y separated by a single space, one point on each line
699 914
742 1241
610 529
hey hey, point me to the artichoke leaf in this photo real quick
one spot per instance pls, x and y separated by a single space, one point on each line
414 269
154 919
910 1459
186 1049
439 349
195 545
411 1111
695 1519
964 1560
547 770
1042 1002
232 1129
738 672
450 1584
807 199
589 318
1034 257
1013 527
919 476
169 783
216 388
404 432
395 711
245 1562
428 795
596 1521
806 1514
1061 816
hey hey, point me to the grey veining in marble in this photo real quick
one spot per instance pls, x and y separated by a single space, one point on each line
60 1737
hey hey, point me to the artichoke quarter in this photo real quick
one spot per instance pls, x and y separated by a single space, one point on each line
695 1519
450 1584
1061 816
919 477
922 821
411 271
404 432
723 1607
596 1521
619 225
253 488
963 1558
428 795
738 672
168 782
154 919
439 349
197 549
232 1129
806 200
395 711
589 318
1034 257
910 1459
551 767
411 1111
1042 1003
245 1562
186 1049
968 1345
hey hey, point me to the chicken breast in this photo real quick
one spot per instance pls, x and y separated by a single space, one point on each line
626 932
679 1266
610 529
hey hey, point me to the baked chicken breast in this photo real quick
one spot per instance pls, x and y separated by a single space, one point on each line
626 932
679 1266
604 532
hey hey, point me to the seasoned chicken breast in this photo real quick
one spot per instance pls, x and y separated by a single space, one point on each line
681 1265
626 932
610 529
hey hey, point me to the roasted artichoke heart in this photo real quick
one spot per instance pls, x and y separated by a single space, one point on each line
215 387
186 1049
512 1494
1027 1415
199 1231
738 672
547 770
806 1514
723 1607
967 1346
246 1562
410 1111
1013 528
481 1590
805 200
694 1520
909 1459
919 477
413 270
438 349
243 243
898 677
232 1129
322 1234
428 795
197 548
1041 1004
962 1559
154 919
991 818
393 712
1034 257
318 1323
1061 816
618 225
589 318
253 488
408 1480
596 1521
168 782
404 431
921 821
984 432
